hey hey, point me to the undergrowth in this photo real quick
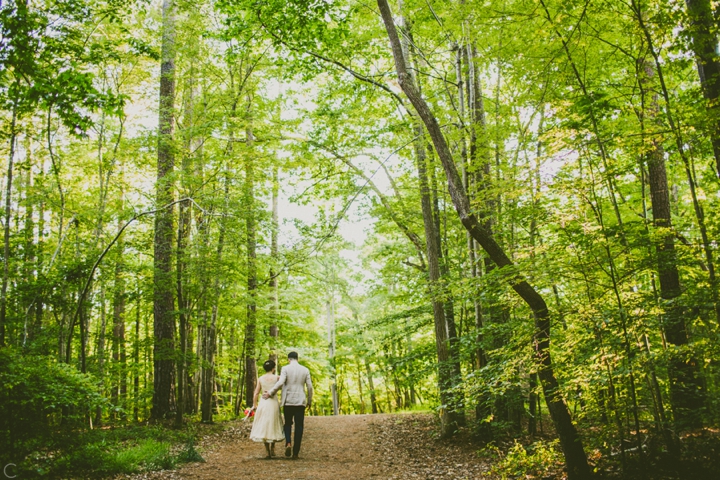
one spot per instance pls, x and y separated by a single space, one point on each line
121 450
524 461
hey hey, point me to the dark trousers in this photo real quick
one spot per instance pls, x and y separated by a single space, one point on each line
294 414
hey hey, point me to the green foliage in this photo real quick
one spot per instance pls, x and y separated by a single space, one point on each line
43 403
540 458
189 453
44 63
102 460
107 452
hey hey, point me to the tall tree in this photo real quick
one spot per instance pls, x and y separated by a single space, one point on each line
252 280
702 30
448 365
575 458
686 389
163 297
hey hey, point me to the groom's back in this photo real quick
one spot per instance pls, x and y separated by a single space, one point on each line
296 374
296 377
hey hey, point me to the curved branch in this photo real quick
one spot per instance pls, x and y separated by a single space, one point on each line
105 251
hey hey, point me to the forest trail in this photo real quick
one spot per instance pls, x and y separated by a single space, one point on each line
332 448
385 446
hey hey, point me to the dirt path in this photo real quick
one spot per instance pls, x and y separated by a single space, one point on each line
354 447
333 448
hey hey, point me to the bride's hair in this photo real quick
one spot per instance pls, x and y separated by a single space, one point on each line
269 365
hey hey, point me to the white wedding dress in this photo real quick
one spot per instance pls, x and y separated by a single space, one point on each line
267 425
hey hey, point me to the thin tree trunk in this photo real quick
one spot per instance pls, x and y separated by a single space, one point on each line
448 305
330 318
39 299
360 390
209 331
682 151
208 368
30 249
686 387
136 361
101 352
704 43
274 230
371 385
84 328
6 227
241 381
478 160
252 282
184 390
450 420
163 299
575 458
118 339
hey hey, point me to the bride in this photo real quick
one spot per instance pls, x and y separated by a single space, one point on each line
267 426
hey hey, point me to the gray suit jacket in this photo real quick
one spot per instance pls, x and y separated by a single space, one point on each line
293 380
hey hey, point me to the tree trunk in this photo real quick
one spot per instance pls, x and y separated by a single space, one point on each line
119 390
457 400
360 390
208 369
29 253
184 389
100 352
686 387
163 298
252 283
209 332
446 370
39 298
447 377
371 385
136 361
330 318
704 43
682 151
478 161
275 308
6 227
575 458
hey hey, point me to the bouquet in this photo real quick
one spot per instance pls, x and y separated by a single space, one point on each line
249 412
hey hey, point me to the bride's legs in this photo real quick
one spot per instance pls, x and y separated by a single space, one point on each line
272 449
267 449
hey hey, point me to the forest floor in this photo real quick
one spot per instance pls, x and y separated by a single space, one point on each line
405 446
359 447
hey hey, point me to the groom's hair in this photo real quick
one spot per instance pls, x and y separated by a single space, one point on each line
293 355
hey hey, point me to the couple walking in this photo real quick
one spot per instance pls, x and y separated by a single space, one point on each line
267 426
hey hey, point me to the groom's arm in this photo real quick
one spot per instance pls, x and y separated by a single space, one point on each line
277 386
308 384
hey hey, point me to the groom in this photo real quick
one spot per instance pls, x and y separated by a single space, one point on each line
293 378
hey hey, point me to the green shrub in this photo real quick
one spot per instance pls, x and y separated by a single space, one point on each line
45 408
99 459
189 454
535 459
43 404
